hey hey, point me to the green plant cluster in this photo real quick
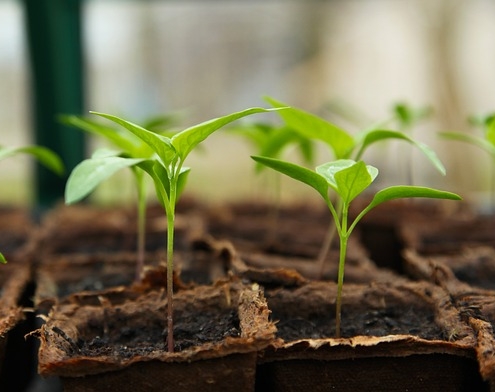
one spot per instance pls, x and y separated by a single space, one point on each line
157 151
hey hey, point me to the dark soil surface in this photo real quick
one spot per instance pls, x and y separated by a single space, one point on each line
127 341
372 310
374 322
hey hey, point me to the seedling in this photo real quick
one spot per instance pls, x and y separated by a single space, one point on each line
486 142
131 150
343 145
44 155
271 141
169 175
348 179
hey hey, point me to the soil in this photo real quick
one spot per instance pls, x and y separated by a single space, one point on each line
308 312
126 341
138 327
375 322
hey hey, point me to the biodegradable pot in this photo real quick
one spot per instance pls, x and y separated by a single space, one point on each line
291 241
380 229
94 230
395 337
449 236
15 352
218 331
473 266
58 276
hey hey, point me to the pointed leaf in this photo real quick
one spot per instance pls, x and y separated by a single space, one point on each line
328 170
314 127
347 177
161 145
124 141
470 139
44 155
2 259
105 152
353 181
376 135
401 192
88 174
185 141
309 177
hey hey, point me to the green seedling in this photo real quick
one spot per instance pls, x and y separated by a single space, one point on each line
104 163
169 175
42 154
348 179
271 141
486 142
343 145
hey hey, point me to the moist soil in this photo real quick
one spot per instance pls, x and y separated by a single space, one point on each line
124 341
376 322
308 312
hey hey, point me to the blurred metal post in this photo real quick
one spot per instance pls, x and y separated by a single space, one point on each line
56 63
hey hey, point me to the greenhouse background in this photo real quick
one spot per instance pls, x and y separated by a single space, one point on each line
202 59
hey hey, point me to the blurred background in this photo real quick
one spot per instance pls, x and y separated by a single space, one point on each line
347 61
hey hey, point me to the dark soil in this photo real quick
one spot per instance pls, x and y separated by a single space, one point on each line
308 312
128 341
374 322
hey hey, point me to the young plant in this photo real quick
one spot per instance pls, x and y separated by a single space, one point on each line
131 150
166 168
486 142
271 141
348 179
44 155
343 145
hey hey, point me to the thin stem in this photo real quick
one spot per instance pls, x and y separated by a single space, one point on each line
170 263
141 230
330 235
344 236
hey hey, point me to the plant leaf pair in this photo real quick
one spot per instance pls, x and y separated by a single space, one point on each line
343 145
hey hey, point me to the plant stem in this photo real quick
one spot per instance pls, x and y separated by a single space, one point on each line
170 264
344 236
327 243
141 230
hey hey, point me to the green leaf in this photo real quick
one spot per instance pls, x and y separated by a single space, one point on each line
124 141
376 135
347 177
314 127
306 176
161 145
490 131
2 259
408 116
186 140
470 139
105 152
88 174
44 155
403 191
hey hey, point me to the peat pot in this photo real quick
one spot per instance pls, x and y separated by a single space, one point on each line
218 331
406 336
